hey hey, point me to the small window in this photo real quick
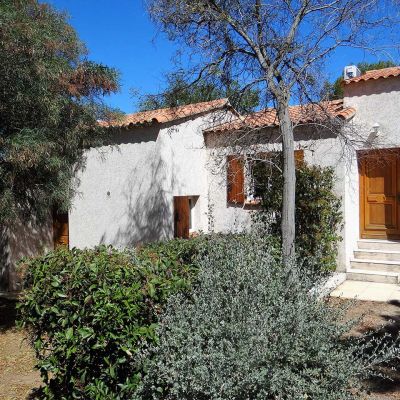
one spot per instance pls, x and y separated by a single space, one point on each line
193 214
186 219
260 171
299 157
181 217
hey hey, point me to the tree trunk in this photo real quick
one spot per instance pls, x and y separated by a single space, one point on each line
289 183
4 261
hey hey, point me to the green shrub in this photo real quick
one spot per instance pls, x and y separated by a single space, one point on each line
318 212
88 312
253 329
179 251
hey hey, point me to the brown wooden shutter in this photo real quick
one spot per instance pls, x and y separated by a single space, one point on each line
299 157
60 229
235 179
181 217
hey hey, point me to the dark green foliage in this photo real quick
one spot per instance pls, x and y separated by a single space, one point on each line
89 311
318 212
179 91
49 106
174 251
366 66
335 90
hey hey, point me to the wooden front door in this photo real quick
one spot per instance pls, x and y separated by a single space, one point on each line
181 217
379 194
60 229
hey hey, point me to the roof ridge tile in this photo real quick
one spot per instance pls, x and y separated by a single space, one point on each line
375 74
301 113
164 115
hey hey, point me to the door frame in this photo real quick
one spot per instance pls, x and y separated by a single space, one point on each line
362 155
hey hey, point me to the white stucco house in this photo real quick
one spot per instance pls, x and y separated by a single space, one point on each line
162 176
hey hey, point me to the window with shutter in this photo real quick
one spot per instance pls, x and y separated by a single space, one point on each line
299 157
235 180
258 169
261 167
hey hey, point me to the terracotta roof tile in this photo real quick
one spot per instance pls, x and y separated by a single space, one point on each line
375 74
298 114
164 115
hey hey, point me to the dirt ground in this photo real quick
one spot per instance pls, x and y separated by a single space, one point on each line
381 319
18 376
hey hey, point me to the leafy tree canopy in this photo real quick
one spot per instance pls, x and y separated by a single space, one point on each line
335 90
50 100
180 91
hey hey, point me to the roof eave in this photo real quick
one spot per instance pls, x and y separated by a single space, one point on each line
155 121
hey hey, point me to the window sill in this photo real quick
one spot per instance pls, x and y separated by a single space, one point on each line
255 202
247 204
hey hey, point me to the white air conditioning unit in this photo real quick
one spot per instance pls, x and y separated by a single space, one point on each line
351 71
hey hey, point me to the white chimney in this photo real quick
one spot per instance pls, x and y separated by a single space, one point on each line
351 71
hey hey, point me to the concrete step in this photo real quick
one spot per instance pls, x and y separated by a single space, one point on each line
372 276
375 265
374 244
382 255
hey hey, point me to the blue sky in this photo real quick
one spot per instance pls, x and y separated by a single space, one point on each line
119 33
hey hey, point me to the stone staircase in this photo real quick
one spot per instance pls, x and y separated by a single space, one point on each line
375 261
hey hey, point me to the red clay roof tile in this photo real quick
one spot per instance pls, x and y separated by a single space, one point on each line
375 74
164 115
299 114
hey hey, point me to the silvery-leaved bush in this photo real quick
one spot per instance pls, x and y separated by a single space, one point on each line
253 329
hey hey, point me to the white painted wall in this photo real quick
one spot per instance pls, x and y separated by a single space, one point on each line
376 102
324 151
126 191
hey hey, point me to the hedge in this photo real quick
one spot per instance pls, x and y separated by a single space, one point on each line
318 213
89 311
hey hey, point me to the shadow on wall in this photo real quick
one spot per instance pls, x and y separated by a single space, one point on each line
135 135
24 239
373 87
148 202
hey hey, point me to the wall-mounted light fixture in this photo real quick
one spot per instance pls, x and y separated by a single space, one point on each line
375 128
374 133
